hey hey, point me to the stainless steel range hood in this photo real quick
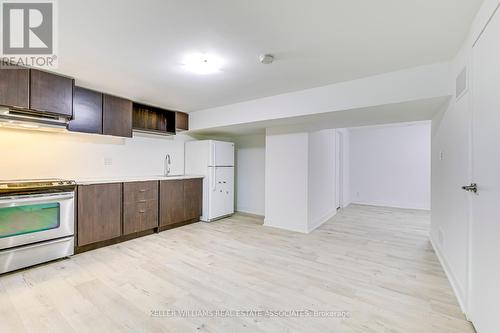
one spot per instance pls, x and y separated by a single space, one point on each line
10 117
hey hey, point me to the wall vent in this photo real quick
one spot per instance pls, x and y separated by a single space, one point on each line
461 83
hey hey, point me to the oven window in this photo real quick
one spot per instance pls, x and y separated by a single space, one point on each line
20 220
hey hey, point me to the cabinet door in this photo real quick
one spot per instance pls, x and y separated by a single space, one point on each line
192 198
117 116
14 87
99 213
87 111
140 206
181 121
51 93
171 202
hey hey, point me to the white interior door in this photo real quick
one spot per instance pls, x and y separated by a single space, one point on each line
485 226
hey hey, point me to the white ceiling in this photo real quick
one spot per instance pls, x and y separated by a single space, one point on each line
135 48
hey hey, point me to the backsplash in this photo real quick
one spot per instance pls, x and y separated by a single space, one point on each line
34 154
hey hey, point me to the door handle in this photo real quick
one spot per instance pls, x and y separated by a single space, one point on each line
470 188
214 181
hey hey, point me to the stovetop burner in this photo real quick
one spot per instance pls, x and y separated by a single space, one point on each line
34 186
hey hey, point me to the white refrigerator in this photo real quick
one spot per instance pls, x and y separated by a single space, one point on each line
215 161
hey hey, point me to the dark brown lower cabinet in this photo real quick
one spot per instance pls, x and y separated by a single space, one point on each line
140 206
192 198
112 213
99 213
171 202
180 201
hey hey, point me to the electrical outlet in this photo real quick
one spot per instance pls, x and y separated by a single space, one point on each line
441 155
108 161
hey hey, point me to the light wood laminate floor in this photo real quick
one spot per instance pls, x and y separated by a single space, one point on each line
375 263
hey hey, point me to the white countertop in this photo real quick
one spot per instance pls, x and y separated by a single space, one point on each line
126 179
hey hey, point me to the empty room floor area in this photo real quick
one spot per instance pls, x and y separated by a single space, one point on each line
369 269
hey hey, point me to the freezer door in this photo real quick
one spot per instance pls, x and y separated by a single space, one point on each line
222 193
221 153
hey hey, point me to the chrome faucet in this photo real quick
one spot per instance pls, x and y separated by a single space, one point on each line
168 162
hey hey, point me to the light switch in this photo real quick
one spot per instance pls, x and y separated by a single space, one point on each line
108 161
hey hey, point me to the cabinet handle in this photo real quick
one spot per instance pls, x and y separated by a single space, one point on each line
141 201
142 191
142 211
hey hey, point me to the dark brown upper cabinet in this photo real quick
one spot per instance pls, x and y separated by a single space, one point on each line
51 93
116 116
153 119
87 111
181 121
14 87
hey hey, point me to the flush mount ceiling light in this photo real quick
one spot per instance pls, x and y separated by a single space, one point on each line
201 63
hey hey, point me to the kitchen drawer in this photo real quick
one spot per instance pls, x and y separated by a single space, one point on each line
140 216
140 191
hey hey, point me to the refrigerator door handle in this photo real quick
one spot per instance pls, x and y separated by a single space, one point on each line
214 156
213 179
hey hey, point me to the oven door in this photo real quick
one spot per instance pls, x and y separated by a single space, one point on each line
35 218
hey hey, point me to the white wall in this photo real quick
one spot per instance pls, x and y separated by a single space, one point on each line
321 177
286 181
346 155
35 154
390 165
300 179
250 173
450 228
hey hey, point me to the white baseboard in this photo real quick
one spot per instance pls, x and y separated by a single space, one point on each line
251 214
308 229
322 220
268 224
459 294
391 205
346 204
249 210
